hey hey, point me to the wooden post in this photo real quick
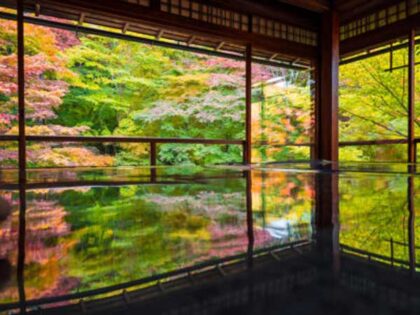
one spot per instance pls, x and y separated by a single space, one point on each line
314 101
326 142
21 90
153 158
248 104
411 156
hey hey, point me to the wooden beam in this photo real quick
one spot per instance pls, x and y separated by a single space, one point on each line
153 156
131 13
21 90
411 154
381 36
137 39
327 101
270 9
311 5
122 139
352 9
248 105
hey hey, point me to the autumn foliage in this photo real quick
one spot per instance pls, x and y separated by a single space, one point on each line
88 85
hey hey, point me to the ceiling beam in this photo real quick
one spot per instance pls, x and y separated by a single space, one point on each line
272 9
311 5
131 13
380 36
352 9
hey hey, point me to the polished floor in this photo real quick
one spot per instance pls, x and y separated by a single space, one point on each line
274 239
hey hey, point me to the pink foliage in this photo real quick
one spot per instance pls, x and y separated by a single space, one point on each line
6 120
42 95
223 79
224 63
208 108
228 240
261 73
65 39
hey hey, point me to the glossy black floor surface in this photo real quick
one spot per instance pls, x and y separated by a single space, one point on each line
274 239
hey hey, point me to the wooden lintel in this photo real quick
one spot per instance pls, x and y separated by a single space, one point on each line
411 154
312 5
21 90
248 106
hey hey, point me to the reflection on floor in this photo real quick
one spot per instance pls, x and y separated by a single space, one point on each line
210 241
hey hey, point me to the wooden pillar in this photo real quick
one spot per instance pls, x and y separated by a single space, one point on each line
326 107
411 156
21 90
153 161
248 105
314 101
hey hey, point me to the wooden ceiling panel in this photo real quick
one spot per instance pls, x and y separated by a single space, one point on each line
352 9
310 5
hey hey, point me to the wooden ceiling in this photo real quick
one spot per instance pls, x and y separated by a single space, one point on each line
347 9
280 31
310 5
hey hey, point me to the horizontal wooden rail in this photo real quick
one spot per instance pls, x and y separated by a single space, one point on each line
124 139
153 141
341 144
9 137
373 142
286 144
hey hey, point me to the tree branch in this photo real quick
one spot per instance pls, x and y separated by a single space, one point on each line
375 123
